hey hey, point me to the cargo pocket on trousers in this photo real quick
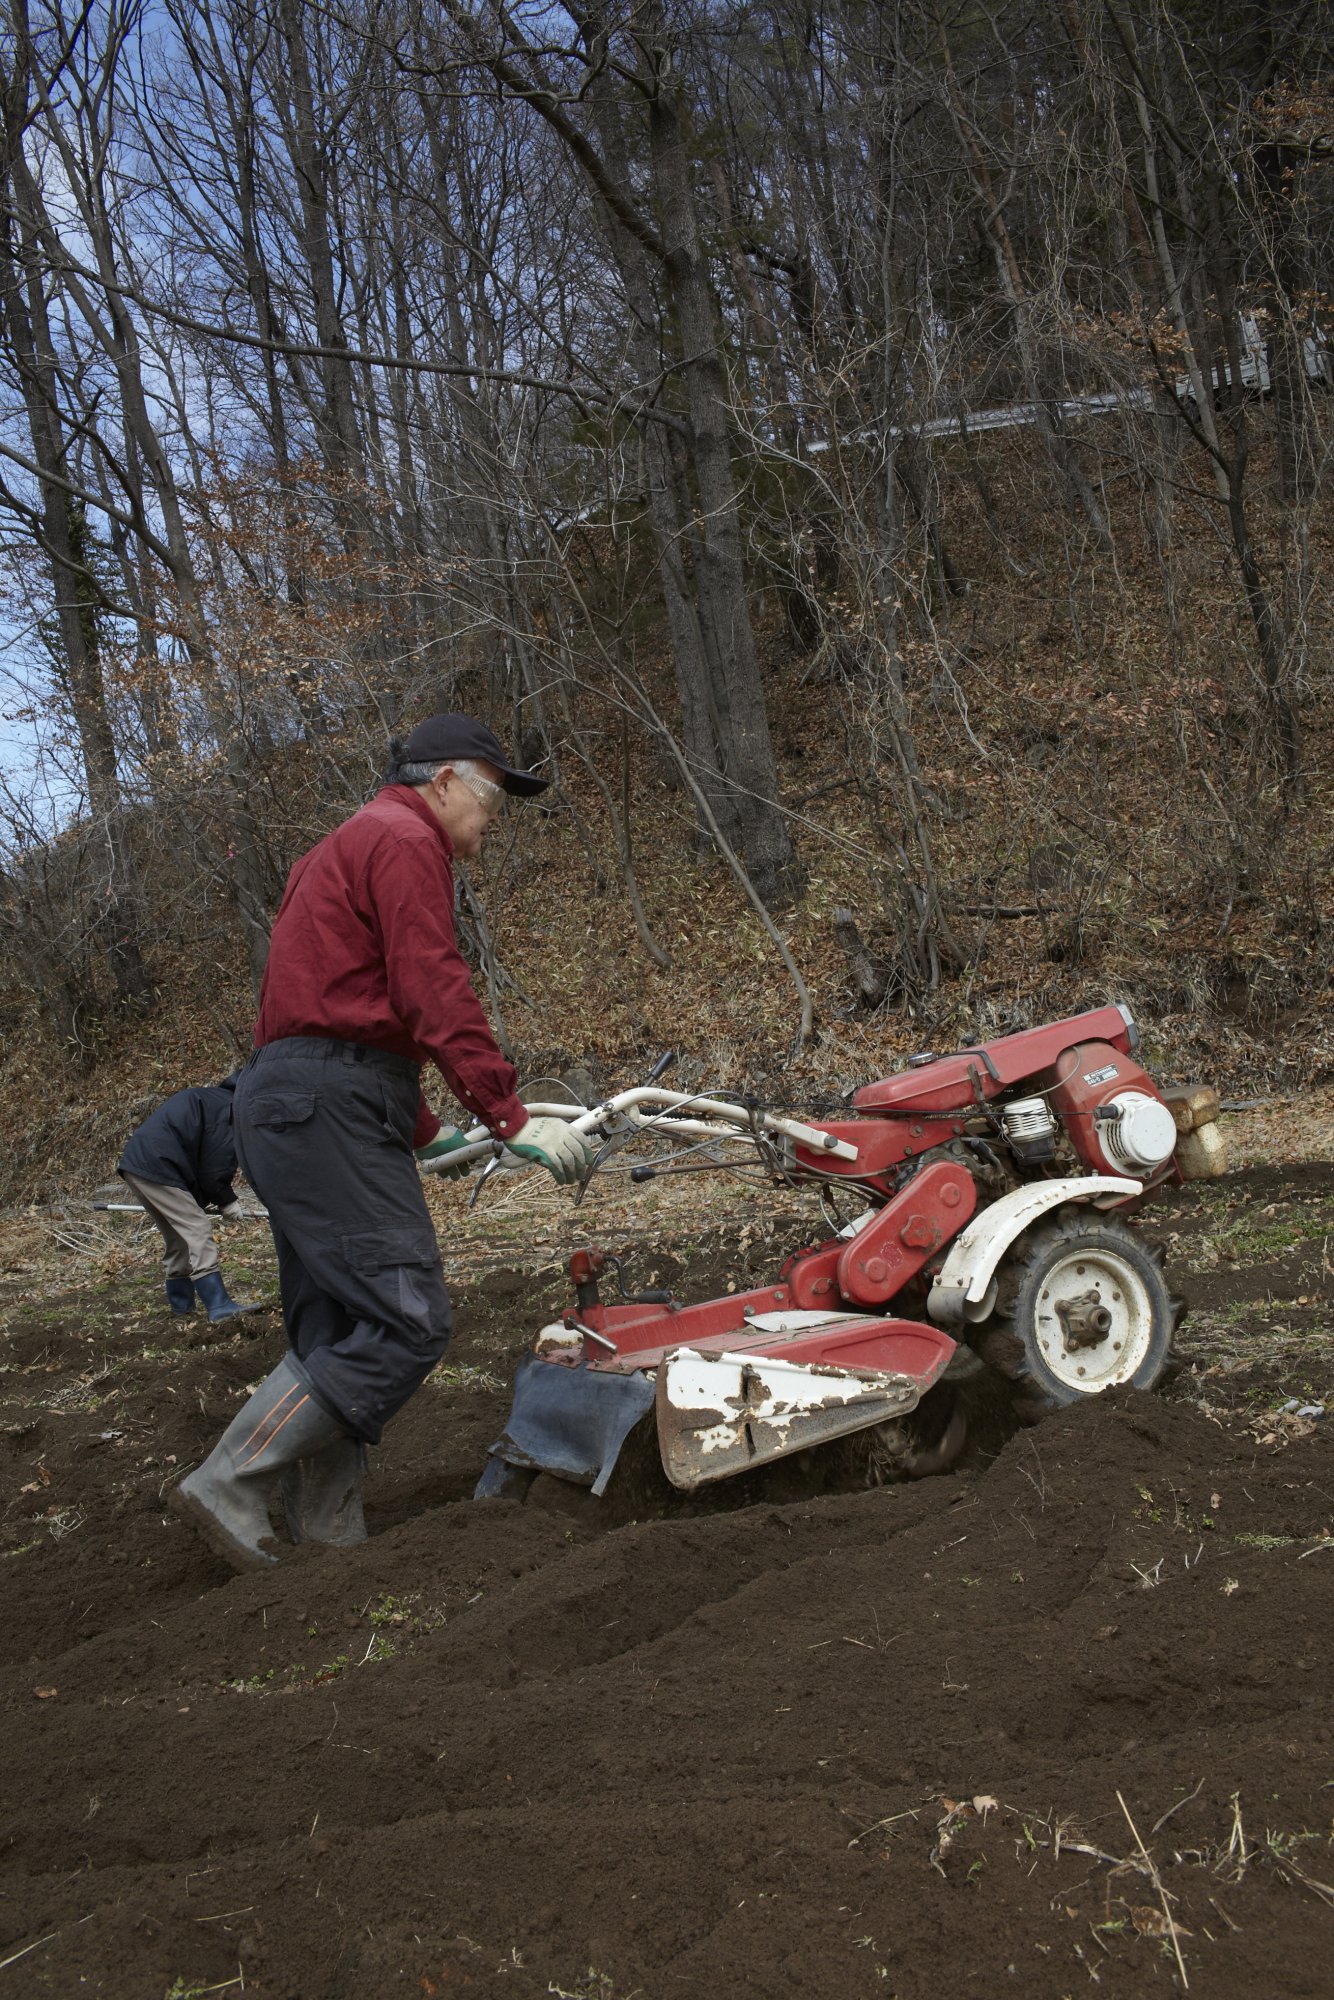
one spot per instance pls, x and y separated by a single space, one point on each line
275 1110
373 1250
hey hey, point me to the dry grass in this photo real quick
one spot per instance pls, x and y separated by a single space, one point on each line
1282 1130
520 1220
528 1222
1078 693
524 1219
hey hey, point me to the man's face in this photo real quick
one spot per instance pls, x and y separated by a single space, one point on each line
462 814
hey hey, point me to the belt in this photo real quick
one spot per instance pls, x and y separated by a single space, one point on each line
328 1049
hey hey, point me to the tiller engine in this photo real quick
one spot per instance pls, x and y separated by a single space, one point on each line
998 1191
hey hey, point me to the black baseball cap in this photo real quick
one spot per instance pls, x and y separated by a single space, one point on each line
442 737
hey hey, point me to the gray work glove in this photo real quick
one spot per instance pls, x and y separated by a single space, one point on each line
233 1212
553 1144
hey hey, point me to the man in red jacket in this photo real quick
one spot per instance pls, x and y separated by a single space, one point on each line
364 983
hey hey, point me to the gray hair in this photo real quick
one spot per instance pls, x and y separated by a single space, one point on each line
422 774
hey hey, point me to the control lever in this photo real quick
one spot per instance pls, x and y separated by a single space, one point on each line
492 1167
660 1067
604 1152
658 1298
587 1266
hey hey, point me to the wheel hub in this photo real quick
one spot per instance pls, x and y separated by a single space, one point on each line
1094 1319
1085 1320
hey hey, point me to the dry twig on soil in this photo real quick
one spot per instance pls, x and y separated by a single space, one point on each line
1157 1881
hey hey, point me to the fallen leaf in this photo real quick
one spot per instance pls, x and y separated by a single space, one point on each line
1230 1586
1150 1922
46 1694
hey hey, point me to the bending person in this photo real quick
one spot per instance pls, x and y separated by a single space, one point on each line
364 982
181 1161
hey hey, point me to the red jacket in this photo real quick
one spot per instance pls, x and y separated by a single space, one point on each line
363 950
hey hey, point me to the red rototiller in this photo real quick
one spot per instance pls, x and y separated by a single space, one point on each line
995 1189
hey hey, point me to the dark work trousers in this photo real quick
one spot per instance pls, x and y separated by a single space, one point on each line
323 1132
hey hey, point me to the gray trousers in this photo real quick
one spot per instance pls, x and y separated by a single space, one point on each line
323 1131
186 1230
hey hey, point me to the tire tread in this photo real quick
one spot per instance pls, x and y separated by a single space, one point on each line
1004 1343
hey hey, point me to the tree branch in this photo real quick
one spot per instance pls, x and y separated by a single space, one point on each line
546 104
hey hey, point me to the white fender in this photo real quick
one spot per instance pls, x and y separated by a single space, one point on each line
963 1290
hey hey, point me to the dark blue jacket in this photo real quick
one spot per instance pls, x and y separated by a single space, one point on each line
187 1143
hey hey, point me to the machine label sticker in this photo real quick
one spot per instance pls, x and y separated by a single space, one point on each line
1097 1076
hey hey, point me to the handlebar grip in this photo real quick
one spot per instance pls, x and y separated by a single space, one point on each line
466 1156
660 1067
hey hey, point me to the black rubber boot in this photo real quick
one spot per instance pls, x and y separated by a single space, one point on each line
227 1499
180 1296
322 1495
218 1303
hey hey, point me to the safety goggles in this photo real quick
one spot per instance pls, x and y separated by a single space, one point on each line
485 790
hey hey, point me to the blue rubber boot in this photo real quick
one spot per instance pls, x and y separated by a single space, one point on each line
217 1301
227 1499
180 1296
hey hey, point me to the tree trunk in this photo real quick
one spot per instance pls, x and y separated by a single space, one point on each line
63 536
340 433
750 759
695 681
996 237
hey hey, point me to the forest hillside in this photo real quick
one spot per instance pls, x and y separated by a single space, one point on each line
874 462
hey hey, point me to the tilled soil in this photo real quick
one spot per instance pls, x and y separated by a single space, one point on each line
985 1733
